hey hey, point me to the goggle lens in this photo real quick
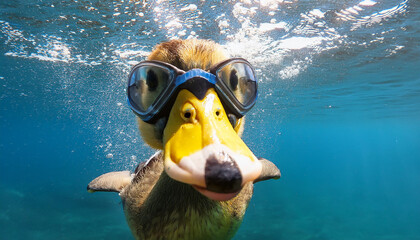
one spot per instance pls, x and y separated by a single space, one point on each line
240 79
152 83
146 84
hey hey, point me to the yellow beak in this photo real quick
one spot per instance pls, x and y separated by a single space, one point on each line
202 148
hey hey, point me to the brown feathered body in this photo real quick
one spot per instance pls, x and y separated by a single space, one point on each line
158 207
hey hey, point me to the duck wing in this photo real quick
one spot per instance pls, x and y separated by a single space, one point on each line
269 171
118 181
110 182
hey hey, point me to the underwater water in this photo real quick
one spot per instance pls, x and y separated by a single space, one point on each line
338 112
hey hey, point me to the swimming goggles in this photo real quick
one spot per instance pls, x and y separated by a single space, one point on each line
154 85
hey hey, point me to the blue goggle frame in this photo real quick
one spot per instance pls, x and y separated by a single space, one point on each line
191 80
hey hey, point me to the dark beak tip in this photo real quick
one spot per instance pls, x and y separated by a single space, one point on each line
222 176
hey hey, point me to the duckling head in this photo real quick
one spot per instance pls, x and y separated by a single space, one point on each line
199 138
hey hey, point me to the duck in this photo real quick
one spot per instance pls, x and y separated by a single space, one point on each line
200 181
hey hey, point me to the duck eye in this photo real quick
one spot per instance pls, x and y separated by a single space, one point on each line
187 115
151 80
233 79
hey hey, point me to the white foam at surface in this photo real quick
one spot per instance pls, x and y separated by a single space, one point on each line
129 53
272 4
175 23
352 10
182 33
254 38
266 27
318 13
295 43
223 24
191 7
254 41
367 3
243 41
378 17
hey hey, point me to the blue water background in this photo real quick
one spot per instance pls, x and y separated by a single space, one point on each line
344 130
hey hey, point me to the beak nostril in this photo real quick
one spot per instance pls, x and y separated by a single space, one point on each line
218 112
